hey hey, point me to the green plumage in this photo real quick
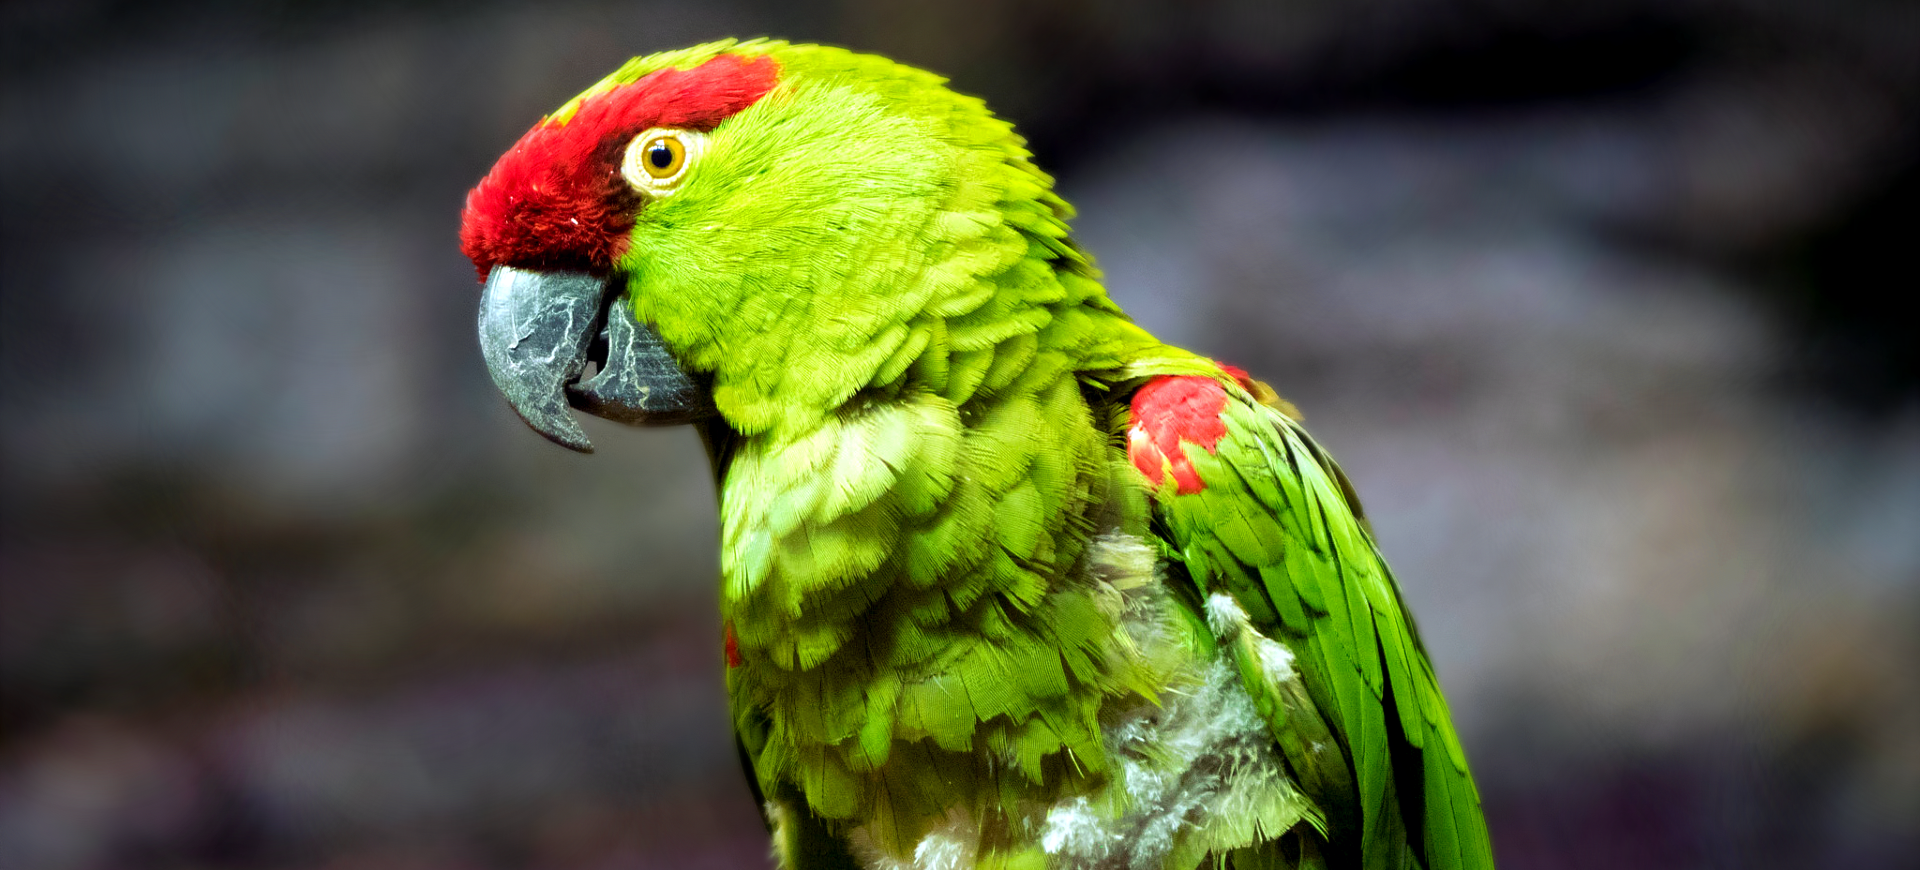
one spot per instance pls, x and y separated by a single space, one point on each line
965 630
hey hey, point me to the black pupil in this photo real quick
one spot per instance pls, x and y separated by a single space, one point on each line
660 155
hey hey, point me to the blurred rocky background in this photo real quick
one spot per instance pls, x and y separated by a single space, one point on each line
1603 305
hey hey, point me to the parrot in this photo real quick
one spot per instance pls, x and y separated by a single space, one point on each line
1005 581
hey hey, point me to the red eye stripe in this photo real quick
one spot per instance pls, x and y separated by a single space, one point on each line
556 200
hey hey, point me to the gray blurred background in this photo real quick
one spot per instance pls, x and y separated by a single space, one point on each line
1602 305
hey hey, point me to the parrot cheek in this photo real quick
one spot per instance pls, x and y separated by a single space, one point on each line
538 332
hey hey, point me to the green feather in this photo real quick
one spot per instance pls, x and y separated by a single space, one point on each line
1327 584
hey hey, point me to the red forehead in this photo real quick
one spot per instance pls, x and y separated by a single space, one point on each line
556 199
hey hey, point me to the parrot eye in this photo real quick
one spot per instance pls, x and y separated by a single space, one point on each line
657 159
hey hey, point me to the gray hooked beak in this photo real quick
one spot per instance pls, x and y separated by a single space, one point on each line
538 331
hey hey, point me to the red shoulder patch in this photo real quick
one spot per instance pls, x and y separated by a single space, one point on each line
1171 410
731 644
556 200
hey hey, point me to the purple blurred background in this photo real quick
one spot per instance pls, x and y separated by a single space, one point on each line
1600 304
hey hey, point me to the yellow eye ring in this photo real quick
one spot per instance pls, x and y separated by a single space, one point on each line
657 159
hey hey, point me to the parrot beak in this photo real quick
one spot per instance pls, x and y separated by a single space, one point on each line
538 332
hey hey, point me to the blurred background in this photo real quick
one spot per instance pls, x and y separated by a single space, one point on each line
1603 306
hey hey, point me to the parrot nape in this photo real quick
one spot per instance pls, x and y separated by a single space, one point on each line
1006 582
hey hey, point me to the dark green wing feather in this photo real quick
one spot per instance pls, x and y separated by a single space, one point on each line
1276 528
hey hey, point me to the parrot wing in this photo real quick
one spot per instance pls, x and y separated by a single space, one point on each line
1286 571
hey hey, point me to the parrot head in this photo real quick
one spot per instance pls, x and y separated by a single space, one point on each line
740 229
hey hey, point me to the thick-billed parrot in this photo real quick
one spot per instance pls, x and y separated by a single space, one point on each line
1006 581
